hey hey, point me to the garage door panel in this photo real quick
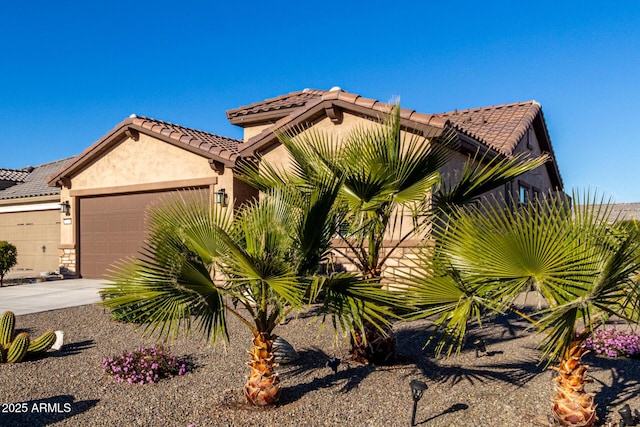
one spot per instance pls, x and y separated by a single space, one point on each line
112 228
36 235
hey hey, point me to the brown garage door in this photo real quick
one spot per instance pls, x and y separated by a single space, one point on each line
112 228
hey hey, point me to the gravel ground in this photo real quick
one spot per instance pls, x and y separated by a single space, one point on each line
503 387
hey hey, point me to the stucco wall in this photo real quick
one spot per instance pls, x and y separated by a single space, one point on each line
251 131
145 161
131 166
538 179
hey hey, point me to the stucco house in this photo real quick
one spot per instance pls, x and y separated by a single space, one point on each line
30 218
106 189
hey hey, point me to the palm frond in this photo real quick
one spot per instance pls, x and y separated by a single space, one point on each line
164 295
351 300
480 175
579 263
436 290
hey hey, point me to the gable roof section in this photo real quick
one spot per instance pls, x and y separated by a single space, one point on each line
272 109
331 104
498 127
34 183
217 149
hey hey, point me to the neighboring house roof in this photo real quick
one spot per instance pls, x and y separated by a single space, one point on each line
622 211
34 183
218 149
14 175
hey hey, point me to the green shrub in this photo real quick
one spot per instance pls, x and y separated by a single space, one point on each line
8 258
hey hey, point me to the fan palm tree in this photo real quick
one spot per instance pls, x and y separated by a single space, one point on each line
202 262
391 191
583 267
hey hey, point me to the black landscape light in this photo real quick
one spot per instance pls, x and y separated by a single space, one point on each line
417 389
480 345
627 417
333 363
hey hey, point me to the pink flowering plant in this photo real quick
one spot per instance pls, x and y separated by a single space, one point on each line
614 343
145 365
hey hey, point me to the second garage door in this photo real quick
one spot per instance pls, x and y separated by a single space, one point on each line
112 228
36 236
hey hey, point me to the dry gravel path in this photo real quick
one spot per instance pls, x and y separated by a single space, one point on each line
504 387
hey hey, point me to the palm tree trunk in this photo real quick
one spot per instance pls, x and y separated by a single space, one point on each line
373 346
572 406
263 385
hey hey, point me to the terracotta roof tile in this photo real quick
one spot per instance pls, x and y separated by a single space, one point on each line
500 127
343 99
205 141
290 100
349 97
35 183
210 145
365 102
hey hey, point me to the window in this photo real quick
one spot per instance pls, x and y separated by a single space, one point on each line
536 193
523 194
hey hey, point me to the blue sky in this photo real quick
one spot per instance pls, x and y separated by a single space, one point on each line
72 70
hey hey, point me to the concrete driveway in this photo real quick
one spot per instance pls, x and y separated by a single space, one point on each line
51 295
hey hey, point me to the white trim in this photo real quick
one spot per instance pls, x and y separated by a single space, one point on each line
30 208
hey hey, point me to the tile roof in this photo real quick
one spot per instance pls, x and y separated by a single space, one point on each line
35 182
209 145
205 141
321 100
14 175
500 127
623 211
286 101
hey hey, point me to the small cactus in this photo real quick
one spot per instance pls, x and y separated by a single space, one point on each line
13 350
42 343
7 327
18 348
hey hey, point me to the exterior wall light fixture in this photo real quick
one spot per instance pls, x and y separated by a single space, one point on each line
65 208
221 197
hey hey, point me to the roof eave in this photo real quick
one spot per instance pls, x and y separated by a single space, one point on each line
128 129
262 118
540 128
90 153
427 125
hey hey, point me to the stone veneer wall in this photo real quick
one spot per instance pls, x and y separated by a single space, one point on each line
401 261
67 261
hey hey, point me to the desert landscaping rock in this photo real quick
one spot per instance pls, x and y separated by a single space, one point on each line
505 386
